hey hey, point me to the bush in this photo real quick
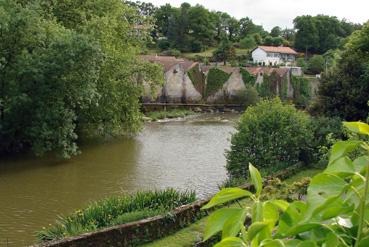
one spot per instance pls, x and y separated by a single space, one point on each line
116 210
246 97
248 42
270 135
163 44
316 64
171 52
197 46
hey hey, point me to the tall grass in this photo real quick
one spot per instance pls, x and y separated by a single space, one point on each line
116 210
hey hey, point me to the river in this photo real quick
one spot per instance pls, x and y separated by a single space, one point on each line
185 154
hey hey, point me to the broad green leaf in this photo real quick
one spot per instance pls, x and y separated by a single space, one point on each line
234 224
227 195
231 242
293 231
292 242
256 179
272 243
280 204
357 127
217 220
255 228
341 148
361 163
331 240
257 212
322 187
342 166
291 217
307 243
270 216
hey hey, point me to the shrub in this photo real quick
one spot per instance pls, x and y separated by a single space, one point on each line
316 64
246 97
116 210
163 44
171 52
248 42
247 77
271 135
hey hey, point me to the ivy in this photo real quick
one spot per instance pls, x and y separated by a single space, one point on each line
216 80
284 89
197 78
301 90
247 77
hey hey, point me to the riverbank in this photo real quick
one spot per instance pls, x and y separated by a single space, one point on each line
160 115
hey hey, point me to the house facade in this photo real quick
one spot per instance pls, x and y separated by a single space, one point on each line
272 55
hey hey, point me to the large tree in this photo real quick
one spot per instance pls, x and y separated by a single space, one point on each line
344 90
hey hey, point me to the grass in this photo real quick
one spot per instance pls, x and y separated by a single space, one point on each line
116 210
193 233
157 115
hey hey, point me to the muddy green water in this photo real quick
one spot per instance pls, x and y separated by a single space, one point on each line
187 154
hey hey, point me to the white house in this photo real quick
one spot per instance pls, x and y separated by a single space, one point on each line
272 55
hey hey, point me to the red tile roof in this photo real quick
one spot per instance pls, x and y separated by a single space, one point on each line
278 49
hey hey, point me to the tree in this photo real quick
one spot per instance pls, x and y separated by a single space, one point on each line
69 68
248 42
225 52
344 90
316 64
276 31
307 35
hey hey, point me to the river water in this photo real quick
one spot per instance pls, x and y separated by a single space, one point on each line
185 154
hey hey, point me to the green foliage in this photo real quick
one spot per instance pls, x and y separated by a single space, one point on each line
68 69
198 79
215 81
301 62
171 52
246 97
267 89
247 77
248 42
272 135
344 92
301 91
157 115
321 33
225 52
334 212
116 210
316 64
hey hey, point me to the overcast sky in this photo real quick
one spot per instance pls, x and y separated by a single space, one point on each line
272 13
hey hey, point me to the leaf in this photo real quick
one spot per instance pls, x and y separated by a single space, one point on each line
255 228
256 179
234 224
357 127
364 242
307 243
341 148
227 195
341 166
217 220
293 214
301 228
322 187
272 243
231 242
361 163
280 204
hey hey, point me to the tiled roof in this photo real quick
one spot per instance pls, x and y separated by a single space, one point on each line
278 49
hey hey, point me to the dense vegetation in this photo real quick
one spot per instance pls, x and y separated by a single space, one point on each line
116 210
334 212
68 68
344 89
176 113
195 28
272 135
215 81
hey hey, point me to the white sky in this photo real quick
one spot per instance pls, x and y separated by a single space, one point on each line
272 13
